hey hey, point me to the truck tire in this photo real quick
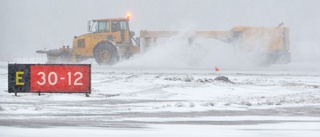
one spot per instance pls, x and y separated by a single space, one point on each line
106 54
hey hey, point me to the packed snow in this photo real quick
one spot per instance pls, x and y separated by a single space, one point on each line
170 102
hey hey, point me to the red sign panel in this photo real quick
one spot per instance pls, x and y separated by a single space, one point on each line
60 78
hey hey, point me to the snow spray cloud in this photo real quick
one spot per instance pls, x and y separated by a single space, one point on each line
177 52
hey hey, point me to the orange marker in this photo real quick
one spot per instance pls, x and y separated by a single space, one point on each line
217 69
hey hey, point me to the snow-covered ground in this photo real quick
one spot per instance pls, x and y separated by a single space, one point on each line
171 102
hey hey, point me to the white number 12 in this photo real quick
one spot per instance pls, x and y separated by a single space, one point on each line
76 82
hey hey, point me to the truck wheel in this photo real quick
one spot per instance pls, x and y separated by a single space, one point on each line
106 54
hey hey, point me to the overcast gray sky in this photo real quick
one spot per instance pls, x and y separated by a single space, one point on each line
27 25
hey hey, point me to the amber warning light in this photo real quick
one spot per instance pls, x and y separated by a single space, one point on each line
128 16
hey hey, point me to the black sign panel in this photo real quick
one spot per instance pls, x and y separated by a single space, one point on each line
18 78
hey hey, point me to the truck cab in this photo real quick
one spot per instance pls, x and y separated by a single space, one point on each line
108 41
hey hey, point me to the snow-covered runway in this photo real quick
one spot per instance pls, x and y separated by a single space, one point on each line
170 102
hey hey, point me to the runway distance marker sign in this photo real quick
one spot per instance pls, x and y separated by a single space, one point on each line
49 78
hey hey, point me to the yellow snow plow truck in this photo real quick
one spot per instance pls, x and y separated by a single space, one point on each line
110 40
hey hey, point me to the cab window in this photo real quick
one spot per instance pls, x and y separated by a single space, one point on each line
119 25
115 26
123 25
103 26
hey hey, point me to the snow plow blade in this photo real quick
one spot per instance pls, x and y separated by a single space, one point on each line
58 56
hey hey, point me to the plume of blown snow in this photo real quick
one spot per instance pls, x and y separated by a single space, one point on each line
177 52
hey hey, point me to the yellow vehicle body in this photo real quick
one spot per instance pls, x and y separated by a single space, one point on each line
83 45
108 41
271 39
272 43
